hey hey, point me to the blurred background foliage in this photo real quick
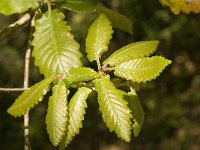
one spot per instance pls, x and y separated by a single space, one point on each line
171 102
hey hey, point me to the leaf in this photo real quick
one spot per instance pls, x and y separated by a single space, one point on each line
9 7
81 74
115 111
142 69
57 113
30 98
79 5
55 50
98 37
137 111
186 6
77 106
118 20
132 51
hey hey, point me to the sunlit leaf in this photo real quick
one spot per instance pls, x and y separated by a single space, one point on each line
142 69
98 37
9 7
131 51
81 74
57 113
186 6
30 98
118 20
77 106
55 50
115 111
137 111
79 5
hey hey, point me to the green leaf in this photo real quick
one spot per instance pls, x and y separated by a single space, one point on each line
81 74
132 51
57 113
115 111
9 7
137 111
77 106
142 69
55 50
30 98
118 20
79 5
98 37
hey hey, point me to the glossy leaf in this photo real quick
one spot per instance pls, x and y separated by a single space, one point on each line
98 37
9 7
57 113
79 5
77 106
30 98
115 111
186 6
118 20
55 50
142 69
137 111
132 51
81 74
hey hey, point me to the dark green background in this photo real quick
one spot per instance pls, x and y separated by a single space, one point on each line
171 102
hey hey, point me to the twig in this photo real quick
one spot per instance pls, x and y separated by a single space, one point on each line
26 84
14 26
12 89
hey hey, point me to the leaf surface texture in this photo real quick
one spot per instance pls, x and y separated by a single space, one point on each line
132 51
115 112
79 5
98 37
81 74
56 118
137 111
77 106
55 50
30 98
141 69
9 7
118 20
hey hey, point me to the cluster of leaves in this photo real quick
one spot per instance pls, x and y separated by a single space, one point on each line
186 6
58 57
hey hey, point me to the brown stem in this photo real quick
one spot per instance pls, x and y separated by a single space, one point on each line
26 85
12 89
14 26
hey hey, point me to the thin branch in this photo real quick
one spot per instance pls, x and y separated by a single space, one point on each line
26 85
12 89
14 26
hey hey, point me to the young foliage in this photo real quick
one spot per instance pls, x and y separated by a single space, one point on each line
59 59
9 7
81 74
115 112
55 50
137 111
30 98
118 20
79 6
141 69
77 108
98 37
132 51
57 113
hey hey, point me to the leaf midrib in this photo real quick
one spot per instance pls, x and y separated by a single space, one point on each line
107 97
54 39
